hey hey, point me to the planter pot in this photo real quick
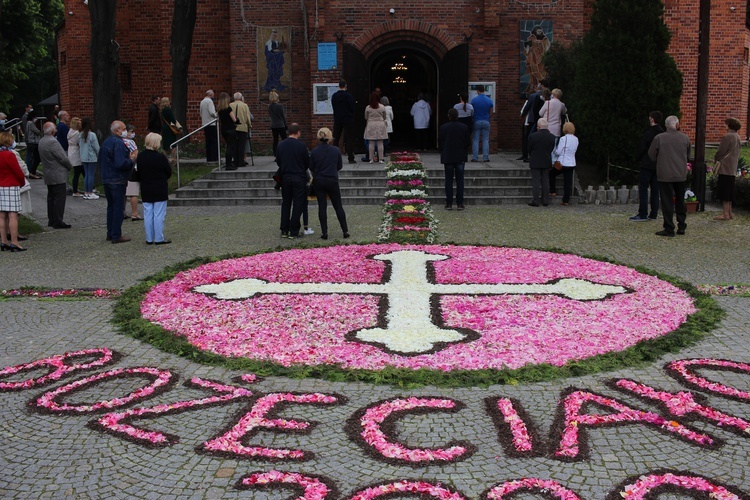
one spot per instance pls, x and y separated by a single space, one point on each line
691 206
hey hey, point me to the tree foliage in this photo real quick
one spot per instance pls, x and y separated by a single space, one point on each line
27 50
621 72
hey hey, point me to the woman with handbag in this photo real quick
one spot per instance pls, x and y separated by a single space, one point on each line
11 180
565 152
170 127
727 157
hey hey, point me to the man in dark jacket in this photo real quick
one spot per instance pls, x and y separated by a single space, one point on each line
115 164
454 140
647 178
293 160
541 145
343 119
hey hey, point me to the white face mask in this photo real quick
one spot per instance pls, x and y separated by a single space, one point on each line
13 146
124 133
131 135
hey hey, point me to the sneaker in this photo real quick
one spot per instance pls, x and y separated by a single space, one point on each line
309 230
90 197
461 207
285 235
77 195
638 218
382 161
653 217
449 207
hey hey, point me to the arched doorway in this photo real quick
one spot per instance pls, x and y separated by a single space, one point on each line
403 73
440 75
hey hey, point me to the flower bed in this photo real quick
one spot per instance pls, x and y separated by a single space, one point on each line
407 215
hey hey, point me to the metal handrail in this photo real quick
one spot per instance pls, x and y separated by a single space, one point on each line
14 123
181 139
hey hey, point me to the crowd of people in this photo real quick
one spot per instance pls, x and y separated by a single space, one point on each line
67 144
63 144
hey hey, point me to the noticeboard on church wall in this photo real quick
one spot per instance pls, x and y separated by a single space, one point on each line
489 91
327 54
322 93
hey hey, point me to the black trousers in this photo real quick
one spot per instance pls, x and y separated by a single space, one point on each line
239 149
212 143
56 194
567 173
329 187
279 134
293 200
673 191
646 180
347 129
230 137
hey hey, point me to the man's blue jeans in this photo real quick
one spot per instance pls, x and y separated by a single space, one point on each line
481 128
115 194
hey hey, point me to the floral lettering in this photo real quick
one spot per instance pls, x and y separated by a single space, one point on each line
405 487
117 423
572 420
683 403
682 370
231 441
49 401
510 422
372 426
549 488
313 488
58 368
646 486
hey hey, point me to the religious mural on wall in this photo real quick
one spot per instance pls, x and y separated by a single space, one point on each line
535 39
274 65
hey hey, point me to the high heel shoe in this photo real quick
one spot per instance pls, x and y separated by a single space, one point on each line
16 248
4 247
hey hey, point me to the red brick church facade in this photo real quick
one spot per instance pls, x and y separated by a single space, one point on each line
443 45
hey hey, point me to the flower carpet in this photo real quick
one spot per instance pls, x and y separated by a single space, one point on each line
440 308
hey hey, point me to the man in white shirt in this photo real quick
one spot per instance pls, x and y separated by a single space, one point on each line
208 113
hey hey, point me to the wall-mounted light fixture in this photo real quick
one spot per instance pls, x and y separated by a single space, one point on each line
392 11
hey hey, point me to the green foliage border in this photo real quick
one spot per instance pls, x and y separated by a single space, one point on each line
127 317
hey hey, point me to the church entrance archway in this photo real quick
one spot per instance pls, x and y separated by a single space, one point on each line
403 71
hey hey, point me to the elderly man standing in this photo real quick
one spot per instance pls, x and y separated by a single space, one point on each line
541 144
671 150
56 168
244 123
208 114
115 164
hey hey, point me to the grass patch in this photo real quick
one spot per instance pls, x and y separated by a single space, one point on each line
28 226
128 318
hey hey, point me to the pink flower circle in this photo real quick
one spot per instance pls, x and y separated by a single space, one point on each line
344 306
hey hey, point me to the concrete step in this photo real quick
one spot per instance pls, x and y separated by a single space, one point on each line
436 201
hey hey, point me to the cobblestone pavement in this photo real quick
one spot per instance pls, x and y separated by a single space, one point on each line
47 455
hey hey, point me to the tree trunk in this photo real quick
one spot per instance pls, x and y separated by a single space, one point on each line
105 64
181 44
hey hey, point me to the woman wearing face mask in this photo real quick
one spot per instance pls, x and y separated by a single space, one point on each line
89 146
134 184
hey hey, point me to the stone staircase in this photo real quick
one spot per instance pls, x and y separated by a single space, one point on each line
502 181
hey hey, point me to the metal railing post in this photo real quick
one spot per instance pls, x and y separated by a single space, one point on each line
176 144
